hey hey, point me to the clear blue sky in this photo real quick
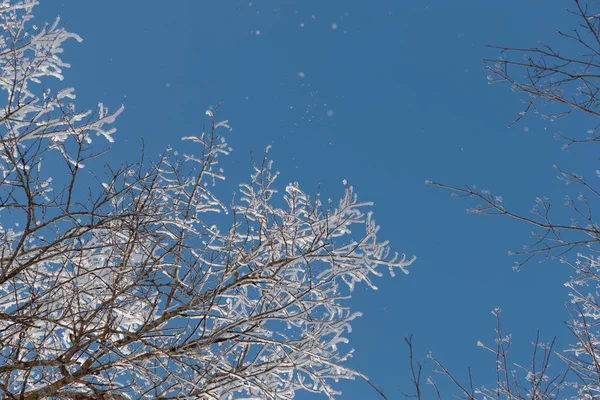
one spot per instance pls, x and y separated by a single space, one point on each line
391 95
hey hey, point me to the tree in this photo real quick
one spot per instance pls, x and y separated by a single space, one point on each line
127 288
557 82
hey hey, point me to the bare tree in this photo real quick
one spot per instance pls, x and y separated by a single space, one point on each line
557 81
126 287
536 380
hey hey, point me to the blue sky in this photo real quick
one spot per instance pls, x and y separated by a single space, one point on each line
385 94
